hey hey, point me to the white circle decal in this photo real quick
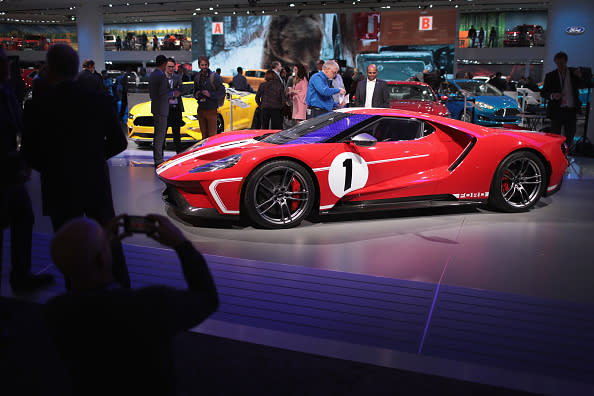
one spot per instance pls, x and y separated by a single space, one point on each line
348 172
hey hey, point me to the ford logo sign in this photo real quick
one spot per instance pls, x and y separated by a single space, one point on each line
575 30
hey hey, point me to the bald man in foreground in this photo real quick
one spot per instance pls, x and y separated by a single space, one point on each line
118 341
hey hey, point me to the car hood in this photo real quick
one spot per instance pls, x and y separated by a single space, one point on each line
422 106
499 102
141 109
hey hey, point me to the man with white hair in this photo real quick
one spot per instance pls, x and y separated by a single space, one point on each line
319 98
118 341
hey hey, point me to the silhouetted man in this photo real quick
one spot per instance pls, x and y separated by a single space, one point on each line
119 341
69 133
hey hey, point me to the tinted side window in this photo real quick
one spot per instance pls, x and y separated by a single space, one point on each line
394 129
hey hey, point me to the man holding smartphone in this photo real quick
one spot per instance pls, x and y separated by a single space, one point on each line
113 339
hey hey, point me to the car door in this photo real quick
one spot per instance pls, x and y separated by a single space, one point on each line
399 165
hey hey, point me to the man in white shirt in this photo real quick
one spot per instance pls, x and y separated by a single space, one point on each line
372 92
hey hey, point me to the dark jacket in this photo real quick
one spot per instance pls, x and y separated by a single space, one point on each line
120 341
178 86
216 89
68 135
271 95
159 93
381 94
552 84
90 81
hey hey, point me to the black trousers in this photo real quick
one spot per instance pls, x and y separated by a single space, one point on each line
565 119
274 117
174 120
17 214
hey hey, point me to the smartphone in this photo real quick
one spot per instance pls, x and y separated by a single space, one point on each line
138 224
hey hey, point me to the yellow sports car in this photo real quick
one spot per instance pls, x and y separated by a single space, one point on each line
140 118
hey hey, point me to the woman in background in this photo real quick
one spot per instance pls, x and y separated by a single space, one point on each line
298 92
271 99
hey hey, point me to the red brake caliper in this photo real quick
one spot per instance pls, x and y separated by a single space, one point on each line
295 186
505 185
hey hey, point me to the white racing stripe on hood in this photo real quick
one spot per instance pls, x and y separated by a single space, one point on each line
200 152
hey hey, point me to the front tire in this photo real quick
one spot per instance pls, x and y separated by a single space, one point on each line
466 117
279 194
518 183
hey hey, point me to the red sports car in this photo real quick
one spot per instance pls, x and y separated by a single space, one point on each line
358 159
415 96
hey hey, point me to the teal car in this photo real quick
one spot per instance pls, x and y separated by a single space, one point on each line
485 104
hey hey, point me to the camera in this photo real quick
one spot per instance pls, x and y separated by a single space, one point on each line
138 224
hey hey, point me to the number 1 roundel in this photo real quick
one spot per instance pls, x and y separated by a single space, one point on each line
348 172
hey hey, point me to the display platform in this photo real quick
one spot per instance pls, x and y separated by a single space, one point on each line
465 293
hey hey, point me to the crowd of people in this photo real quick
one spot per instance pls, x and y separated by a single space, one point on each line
480 40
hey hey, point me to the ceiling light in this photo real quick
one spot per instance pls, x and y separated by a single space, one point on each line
292 5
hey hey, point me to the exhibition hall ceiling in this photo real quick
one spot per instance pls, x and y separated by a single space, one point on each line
118 11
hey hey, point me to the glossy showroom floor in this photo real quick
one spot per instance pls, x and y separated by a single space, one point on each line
501 299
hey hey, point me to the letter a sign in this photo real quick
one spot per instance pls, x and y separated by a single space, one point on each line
217 28
426 23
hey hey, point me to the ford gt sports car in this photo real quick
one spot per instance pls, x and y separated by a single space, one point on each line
485 104
415 96
140 118
358 159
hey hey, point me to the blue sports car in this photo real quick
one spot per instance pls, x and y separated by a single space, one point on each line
485 104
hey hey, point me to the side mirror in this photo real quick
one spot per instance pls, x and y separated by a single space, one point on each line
363 140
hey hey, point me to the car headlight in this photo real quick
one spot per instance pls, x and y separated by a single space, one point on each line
223 163
131 116
485 106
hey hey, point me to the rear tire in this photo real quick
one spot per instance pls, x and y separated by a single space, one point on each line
518 183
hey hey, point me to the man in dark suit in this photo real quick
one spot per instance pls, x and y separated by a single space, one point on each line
176 104
560 89
372 92
89 79
68 135
160 94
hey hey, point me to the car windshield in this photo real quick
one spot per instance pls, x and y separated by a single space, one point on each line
398 70
478 88
411 92
317 130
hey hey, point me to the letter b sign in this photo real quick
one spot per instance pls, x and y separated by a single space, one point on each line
426 23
